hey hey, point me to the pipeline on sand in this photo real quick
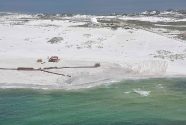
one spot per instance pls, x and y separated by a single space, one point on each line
55 73
48 68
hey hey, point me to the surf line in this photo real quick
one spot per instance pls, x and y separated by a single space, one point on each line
48 68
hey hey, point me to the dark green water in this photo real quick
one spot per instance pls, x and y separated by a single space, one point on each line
121 103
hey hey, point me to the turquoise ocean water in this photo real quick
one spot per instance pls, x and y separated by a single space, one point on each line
131 102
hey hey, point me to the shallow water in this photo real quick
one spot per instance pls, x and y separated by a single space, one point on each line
132 102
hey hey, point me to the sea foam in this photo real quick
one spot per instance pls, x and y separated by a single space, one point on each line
143 93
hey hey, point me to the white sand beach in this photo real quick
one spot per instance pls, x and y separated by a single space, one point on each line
122 53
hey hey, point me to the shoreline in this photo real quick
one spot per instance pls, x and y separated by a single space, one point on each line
146 12
79 87
129 50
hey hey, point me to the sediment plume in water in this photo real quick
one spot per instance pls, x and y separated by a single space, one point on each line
115 72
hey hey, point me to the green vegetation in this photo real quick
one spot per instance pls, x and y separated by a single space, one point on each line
55 40
87 35
110 21
141 23
163 54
